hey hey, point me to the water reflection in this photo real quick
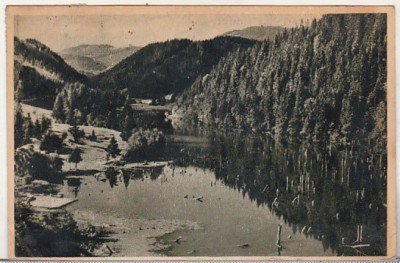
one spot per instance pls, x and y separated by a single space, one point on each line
127 177
333 193
139 174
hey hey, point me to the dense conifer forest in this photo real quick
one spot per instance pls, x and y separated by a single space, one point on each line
325 81
169 67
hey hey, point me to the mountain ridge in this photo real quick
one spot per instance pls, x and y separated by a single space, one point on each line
259 33
166 67
91 59
40 73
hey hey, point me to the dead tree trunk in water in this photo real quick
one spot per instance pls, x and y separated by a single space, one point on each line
278 236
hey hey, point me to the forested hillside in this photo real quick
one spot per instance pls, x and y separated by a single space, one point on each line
153 72
169 67
326 81
40 73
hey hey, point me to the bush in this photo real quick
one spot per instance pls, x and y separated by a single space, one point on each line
48 234
145 144
51 143
39 166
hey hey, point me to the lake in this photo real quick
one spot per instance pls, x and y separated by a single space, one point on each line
329 199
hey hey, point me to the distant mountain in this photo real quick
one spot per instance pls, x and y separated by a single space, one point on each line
39 73
93 59
88 50
259 33
168 67
84 65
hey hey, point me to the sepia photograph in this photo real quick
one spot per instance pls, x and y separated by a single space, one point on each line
170 132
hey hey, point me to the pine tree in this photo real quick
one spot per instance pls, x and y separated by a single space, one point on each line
112 148
93 136
112 120
128 123
75 157
29 128
58 108
18 127
37 129
45 125
76 133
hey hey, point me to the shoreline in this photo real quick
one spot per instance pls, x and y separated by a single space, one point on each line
138 236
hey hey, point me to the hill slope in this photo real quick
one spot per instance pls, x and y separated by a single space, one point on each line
40 73
164 68
93 59
259 33
327 81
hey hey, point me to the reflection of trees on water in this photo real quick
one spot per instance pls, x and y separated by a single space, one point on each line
327 192
139 174
112 176
127 177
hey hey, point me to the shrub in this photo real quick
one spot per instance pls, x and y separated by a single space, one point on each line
49 234
51 143
39 166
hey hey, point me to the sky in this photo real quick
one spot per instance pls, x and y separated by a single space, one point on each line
64 31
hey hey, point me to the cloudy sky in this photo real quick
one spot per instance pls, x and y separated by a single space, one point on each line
63 31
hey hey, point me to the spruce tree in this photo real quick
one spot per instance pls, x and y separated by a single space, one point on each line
29 128
112 148
75 157
18 127
76 133
93 136
37 129
128 123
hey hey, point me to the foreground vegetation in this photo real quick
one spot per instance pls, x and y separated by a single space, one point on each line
53 234
44 155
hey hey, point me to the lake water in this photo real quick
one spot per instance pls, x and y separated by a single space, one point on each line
240 189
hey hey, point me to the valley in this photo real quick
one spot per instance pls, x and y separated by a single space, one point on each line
265 141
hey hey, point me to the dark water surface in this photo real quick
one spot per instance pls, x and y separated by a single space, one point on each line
239 189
